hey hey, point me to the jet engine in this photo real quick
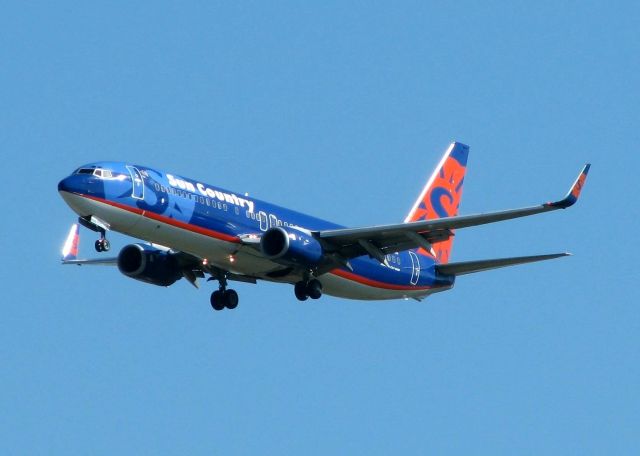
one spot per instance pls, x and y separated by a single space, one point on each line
148 264
291 246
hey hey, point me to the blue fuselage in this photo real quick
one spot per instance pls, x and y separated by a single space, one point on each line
210 223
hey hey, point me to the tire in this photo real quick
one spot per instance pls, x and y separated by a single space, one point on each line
314 289
98 246
300 290
230 299
216 300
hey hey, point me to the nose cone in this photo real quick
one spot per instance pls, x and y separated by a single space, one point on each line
76 183
73 184
83 185
64 185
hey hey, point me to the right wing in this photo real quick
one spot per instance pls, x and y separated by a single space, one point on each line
377 241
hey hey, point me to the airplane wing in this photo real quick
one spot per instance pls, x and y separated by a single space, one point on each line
70 251
191 266
377 241
93 261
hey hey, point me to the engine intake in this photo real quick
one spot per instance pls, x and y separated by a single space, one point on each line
149 265
291 246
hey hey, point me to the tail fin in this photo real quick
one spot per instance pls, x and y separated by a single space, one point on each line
441 196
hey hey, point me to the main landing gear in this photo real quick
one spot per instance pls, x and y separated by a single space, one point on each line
224 297
308 289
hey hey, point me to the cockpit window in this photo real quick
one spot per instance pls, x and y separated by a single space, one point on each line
103 173
85 171
98 172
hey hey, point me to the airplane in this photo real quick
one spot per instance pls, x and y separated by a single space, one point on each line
193 230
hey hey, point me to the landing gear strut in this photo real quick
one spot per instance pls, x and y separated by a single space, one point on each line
224 297
308 289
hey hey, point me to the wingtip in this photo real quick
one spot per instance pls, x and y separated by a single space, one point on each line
574 191
70 248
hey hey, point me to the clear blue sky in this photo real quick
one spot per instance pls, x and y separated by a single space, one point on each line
339 109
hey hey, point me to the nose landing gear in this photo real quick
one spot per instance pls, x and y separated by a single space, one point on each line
102 244
99 226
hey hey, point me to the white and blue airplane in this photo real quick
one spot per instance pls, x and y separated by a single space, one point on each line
193 230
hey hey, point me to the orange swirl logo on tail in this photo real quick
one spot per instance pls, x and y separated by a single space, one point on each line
441 200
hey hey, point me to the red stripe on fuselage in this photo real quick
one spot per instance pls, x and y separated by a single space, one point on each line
375 283
168 220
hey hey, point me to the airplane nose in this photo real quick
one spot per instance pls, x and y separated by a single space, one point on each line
72 184
64 185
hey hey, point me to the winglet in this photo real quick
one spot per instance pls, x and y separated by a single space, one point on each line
70 249
574 192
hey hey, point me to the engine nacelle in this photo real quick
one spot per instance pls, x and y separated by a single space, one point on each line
291 246
150 265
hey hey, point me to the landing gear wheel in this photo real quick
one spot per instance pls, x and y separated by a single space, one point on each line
314 289
300 290
217 301
102 245
230 298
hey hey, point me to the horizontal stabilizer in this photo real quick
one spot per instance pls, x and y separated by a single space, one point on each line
467 267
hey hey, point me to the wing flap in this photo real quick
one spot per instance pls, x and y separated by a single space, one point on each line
468 267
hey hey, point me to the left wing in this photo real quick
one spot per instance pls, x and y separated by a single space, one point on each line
377 241
70 251
191 266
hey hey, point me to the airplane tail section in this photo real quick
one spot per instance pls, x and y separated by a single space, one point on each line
468 267
441 197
